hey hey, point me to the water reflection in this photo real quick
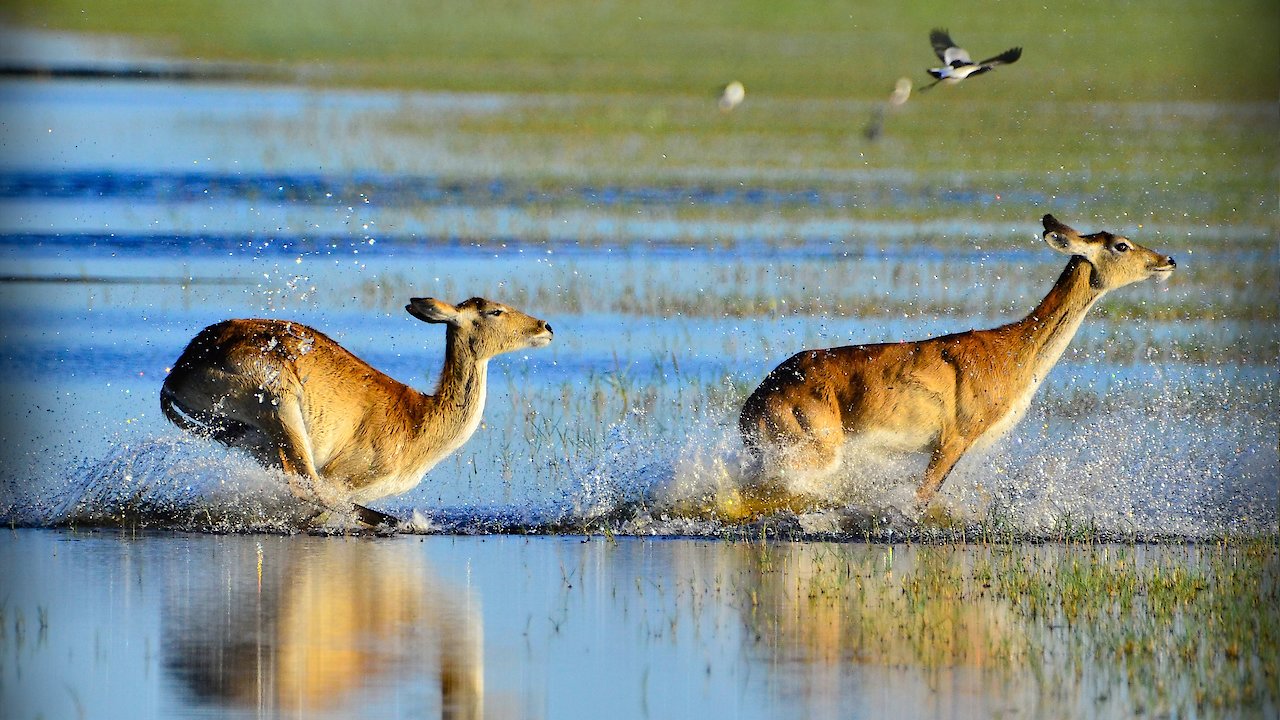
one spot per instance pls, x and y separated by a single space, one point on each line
870 630
325 628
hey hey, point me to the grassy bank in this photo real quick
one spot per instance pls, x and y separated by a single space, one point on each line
1154 113
1188 50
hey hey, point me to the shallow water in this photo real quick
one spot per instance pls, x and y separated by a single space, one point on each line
132 215
532 627
670 303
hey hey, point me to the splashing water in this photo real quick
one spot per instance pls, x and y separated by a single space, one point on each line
171 482
1133 464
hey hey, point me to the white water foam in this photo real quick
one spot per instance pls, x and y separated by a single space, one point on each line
1153 465
172 481
1144 464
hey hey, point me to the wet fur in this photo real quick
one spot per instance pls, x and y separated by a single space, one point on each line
942 395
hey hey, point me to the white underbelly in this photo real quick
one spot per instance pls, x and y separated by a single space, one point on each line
391 485
896 440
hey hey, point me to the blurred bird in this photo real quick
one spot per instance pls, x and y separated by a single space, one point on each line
901 91
731 96
957 65
898 98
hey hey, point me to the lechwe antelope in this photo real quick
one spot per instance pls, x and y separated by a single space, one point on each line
344 433
941 395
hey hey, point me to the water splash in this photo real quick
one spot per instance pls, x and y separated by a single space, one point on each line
172 482
1139 462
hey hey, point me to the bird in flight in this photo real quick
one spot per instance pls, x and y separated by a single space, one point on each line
731 95
901 92
956 62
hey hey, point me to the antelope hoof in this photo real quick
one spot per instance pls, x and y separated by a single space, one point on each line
375 518
923 498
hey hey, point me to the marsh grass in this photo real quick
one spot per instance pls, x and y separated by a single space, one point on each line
1224 289
819 49
1219 312
1116 630
602 94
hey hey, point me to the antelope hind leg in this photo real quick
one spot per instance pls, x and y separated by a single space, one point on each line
774 489
374 518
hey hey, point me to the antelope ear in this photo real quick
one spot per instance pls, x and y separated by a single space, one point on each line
432 310
1062 237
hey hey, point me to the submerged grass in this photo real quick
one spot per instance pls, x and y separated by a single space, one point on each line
1115 630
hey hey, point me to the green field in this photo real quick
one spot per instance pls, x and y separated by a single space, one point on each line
1075 51
1156 113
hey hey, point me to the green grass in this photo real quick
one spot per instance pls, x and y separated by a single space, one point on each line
1113 630
1150 113
1090 51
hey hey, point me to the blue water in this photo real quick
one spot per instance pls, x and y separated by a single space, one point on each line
136 214
132 215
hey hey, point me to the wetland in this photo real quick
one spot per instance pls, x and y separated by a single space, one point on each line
1114 555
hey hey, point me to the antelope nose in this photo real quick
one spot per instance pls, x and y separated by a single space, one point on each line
1173 263
547 326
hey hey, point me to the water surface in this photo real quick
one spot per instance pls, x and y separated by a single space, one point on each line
670 302
678 266
546 627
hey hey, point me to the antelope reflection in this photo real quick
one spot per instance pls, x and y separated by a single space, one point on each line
322 625
852 630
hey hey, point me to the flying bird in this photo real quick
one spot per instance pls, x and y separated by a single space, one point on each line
731 96
901 92
956 62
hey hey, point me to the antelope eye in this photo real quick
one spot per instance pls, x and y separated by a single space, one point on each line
1122 247
495 312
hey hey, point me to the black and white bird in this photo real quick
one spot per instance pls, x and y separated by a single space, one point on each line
956 62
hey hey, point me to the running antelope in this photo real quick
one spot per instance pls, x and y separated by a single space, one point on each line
943 395
343 432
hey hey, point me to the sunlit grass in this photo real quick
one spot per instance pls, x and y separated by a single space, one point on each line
1076 50
1177 127
1198 166
1119 630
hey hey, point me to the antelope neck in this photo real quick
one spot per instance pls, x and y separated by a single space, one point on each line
1046 332
462 379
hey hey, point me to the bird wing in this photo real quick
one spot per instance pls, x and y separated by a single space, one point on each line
1008 56
941 44
957 57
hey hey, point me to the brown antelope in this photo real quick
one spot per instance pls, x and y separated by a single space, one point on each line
943 395
342 431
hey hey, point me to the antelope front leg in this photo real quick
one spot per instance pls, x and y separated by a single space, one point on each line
288 432
950 449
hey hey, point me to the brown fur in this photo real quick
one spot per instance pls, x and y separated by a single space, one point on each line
342 430
939 395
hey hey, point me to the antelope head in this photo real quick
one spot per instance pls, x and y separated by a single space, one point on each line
1117 261
486 328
